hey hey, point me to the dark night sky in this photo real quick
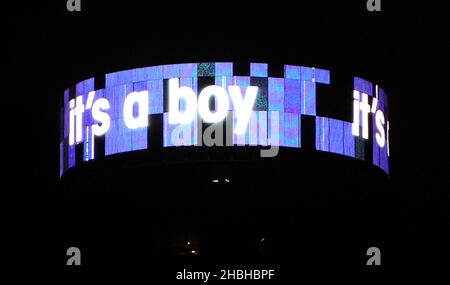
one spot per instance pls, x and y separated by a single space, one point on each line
404 48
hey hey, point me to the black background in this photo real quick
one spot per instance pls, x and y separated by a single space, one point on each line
404 48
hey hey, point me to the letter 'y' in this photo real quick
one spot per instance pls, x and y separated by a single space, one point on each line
242 106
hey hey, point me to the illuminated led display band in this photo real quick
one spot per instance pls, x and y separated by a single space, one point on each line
259 111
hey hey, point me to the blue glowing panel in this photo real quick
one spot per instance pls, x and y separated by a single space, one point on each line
292 72
252 129
307 73
262 128
190 82
87 135
179 135
206 69
258 69
66 96
84 87
171 71
375 147
87 144
276 129
61 158
79 88
71 156
192 133
243 82
224 69
349 140
380 155
66 113
139 139
188 70
156 96
154 72
224 82
363 86
116 96
276 94
322 134
140 86
292 96
110 79
122 77
291 130
336 136
139 74
118 138
322 76
309 98
239 139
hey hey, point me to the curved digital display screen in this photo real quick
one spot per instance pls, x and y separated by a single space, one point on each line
193 99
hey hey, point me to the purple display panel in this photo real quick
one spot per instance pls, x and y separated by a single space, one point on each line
190 82
276 94
336 136
380 154
292 72
321 76
291 130
61 158
292 96
384 155
154 72
116 96
308 106
139 139
171 71
277 122
188 70
66 114
322 134
87 144
258 69
155 96
224 69
87 135
252 129
349 140
239 139
133 75
262 128
118 138
71 156
140 86
307 73
84 87
119 78
179 135
224 82
256 133
139 74
363 86
243 82
276 129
